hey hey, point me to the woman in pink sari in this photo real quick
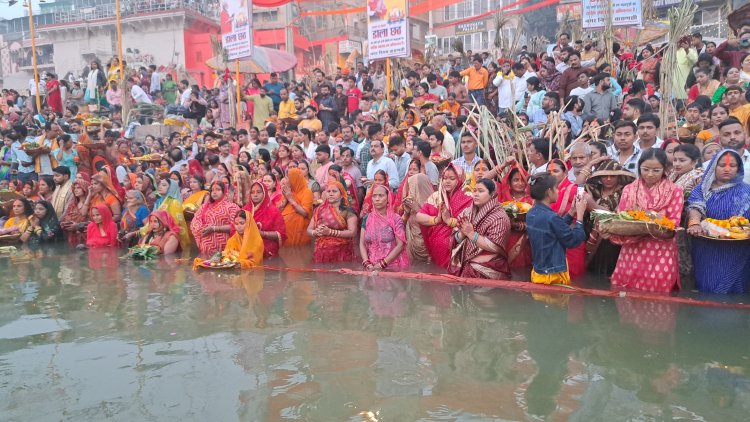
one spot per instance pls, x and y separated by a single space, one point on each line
645 263
383 241
380 178
438 216
211 225
334 226
566 196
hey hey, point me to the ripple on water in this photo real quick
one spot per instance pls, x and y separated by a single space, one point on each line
31 325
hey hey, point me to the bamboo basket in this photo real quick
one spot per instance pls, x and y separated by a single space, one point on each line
636 228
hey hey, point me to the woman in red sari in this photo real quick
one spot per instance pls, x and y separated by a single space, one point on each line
645 263
102 230
338 174
334 226
163 232
74 218
268 218
54 96
383 240
438 216
212 223
515 187
567 191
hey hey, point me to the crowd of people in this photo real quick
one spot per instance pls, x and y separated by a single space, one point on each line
396 177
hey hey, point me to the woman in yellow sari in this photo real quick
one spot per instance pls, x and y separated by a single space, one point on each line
22 210
198 193
245 246
299 208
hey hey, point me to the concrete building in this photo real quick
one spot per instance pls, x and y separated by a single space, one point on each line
472 21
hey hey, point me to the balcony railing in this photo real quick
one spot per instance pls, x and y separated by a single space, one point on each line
129 8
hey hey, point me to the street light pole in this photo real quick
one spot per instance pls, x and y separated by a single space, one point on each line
119 38
33 57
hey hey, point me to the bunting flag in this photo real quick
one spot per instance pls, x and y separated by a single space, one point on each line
335 12
512 12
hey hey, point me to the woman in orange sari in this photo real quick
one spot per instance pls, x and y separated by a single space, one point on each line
438 216
299 208
566 196
102 191
334 226
75 218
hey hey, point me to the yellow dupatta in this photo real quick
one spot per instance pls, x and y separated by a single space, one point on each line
248 247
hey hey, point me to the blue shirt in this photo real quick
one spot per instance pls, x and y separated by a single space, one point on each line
274 91
550 235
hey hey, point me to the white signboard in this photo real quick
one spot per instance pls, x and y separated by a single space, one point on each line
237 28
388 29
624 13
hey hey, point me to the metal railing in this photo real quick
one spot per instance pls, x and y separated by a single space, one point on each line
130 8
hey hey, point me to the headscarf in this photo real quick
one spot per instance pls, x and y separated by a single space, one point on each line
367 202
166 220
173 192
490 220
84 175
106 181
299 189
195 167
71 211
376 222
594 183
94 238
505 192
448 198
242 183
552 80
698 200
268 218
249 244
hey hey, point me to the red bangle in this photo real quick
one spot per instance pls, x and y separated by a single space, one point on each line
366 263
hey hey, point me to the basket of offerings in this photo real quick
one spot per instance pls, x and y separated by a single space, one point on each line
94 145
635 223
149 158
33 148
516 210
733 229
97 122
219 262
143 252
8 196
10 238
189 211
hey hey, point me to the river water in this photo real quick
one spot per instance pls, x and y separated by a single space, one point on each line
88 336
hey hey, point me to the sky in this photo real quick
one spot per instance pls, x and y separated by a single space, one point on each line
17 10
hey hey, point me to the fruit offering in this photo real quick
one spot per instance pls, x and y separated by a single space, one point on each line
734 228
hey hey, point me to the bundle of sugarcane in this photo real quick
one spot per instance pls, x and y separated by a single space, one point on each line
680 22
492 137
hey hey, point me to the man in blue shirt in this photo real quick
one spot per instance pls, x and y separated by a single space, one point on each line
273 89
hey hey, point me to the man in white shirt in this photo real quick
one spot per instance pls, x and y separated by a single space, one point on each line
138 94
648 127
538 156
623 149
32 93
436 89
380 162
155 80
580 155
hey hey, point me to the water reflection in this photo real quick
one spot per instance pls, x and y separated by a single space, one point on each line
87 335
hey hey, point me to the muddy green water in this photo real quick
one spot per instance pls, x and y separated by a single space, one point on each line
86 336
